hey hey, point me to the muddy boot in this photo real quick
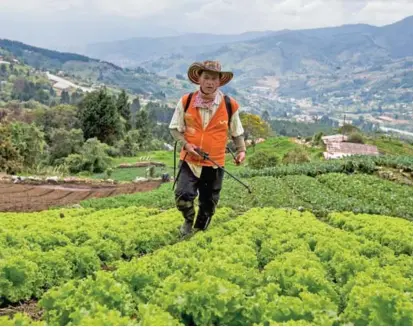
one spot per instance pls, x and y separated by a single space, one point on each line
188 212
186 228
202 221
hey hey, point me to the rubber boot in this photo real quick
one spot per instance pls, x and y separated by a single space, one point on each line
188 212
202 222
186 228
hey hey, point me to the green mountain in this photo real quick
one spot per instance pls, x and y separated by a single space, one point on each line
358 69
94 72
302 61
303 51
134 52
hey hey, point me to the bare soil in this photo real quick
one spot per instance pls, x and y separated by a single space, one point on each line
30 308
29 197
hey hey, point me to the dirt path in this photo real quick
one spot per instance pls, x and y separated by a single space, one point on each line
26 197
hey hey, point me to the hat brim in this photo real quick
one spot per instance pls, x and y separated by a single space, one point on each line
195 70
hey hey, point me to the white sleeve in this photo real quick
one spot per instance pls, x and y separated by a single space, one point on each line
236 128
177 121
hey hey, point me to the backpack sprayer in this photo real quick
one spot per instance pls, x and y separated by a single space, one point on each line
205 156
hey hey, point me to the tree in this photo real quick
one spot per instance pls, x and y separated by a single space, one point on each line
162 132
296 156
144 126
159 113
129 146
122 104
11 161
100 118
136 105
64 143
28 139
77 97
93 158
65 97
3 70
266 116
254 126
62 116
134 108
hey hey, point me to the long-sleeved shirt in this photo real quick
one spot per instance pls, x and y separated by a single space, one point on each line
178 123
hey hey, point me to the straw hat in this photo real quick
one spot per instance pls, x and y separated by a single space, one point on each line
195 70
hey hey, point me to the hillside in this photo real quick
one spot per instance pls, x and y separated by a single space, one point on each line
293 48
360 69
94 72
134 52
305 61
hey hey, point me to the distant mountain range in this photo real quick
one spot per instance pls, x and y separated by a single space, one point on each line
135 51
356 68
298 59
94 71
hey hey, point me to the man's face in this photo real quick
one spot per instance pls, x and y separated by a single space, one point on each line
209 82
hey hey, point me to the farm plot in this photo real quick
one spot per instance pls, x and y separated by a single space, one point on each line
265 267
359 193
26 197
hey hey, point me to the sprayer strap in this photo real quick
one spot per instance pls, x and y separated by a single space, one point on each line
188 101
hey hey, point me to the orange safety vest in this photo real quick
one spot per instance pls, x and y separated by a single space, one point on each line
212 140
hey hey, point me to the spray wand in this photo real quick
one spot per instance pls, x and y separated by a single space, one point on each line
205 156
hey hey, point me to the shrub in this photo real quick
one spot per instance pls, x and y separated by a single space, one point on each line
262 159
64 143
93 157
317 139
296 156
29 141
356 138
348 129
11 161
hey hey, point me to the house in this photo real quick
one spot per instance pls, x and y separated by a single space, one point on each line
336 150
61 86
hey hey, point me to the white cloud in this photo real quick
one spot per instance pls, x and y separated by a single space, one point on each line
39 6
131 8
270 14
384 12
122 19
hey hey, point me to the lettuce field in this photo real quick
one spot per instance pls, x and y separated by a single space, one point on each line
330 249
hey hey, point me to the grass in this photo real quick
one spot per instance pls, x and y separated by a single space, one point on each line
126 174
359 193
278 145
162 156
129 174
391 146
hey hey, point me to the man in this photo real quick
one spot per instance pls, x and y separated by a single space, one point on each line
205 126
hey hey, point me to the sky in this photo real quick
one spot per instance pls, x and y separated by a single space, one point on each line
71 24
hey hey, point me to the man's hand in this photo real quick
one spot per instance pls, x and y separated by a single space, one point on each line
240 158
190 148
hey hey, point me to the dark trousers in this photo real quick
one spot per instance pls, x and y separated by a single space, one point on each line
208 186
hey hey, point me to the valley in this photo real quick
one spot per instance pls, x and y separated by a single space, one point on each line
359 69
